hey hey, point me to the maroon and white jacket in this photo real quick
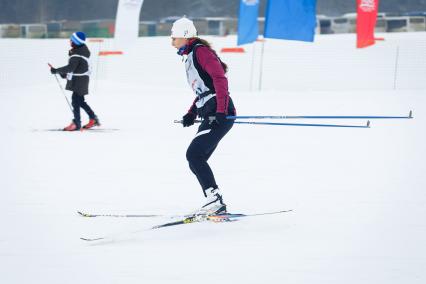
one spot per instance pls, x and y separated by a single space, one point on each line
206 77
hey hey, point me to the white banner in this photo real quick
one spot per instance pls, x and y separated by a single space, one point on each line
127 22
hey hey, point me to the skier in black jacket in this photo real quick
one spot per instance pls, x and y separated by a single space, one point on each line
77 73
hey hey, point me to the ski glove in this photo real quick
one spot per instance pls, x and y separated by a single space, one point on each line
53 70
188 119
219 119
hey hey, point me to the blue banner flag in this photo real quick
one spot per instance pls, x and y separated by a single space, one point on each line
290 19
248 28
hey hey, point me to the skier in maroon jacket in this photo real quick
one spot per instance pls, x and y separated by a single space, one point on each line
206 76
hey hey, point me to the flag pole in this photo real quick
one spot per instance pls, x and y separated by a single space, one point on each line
252 66
396 68
261 65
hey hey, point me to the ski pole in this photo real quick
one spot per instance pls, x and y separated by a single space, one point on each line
367 125
410 115
62 90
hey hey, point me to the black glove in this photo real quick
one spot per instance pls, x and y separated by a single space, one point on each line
188 119
53 70
219 119
63 76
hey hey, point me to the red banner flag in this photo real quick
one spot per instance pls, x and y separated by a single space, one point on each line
366 21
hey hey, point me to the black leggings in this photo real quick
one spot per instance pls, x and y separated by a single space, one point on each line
202 147
77 103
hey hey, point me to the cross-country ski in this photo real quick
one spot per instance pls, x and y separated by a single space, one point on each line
182 220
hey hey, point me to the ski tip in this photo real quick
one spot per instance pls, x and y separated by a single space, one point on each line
282 211
91 240
410 115
84 214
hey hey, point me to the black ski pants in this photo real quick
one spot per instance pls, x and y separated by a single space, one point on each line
77 103
202 147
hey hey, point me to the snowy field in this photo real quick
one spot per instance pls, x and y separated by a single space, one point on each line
358 195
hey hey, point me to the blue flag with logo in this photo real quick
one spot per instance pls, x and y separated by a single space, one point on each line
290 19
248 28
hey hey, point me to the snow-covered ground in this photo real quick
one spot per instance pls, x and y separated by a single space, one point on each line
358 195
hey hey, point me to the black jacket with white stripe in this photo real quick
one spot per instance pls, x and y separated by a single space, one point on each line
77 70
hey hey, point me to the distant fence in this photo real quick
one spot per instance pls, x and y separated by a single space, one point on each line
332 62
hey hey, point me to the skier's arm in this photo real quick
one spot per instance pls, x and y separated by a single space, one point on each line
189 118
211 64
193 108
72 65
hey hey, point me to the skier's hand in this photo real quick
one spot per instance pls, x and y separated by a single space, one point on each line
219 119
53 70
63 76
188 119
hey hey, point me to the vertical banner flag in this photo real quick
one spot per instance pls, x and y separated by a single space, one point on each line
365 22
248 28
290 19
127 21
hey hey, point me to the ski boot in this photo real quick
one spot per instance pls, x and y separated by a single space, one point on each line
72 127
92 122
214 204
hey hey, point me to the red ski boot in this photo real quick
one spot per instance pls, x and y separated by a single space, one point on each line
92 122
72 127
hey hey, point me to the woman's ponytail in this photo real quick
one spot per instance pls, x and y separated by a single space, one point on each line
206 43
